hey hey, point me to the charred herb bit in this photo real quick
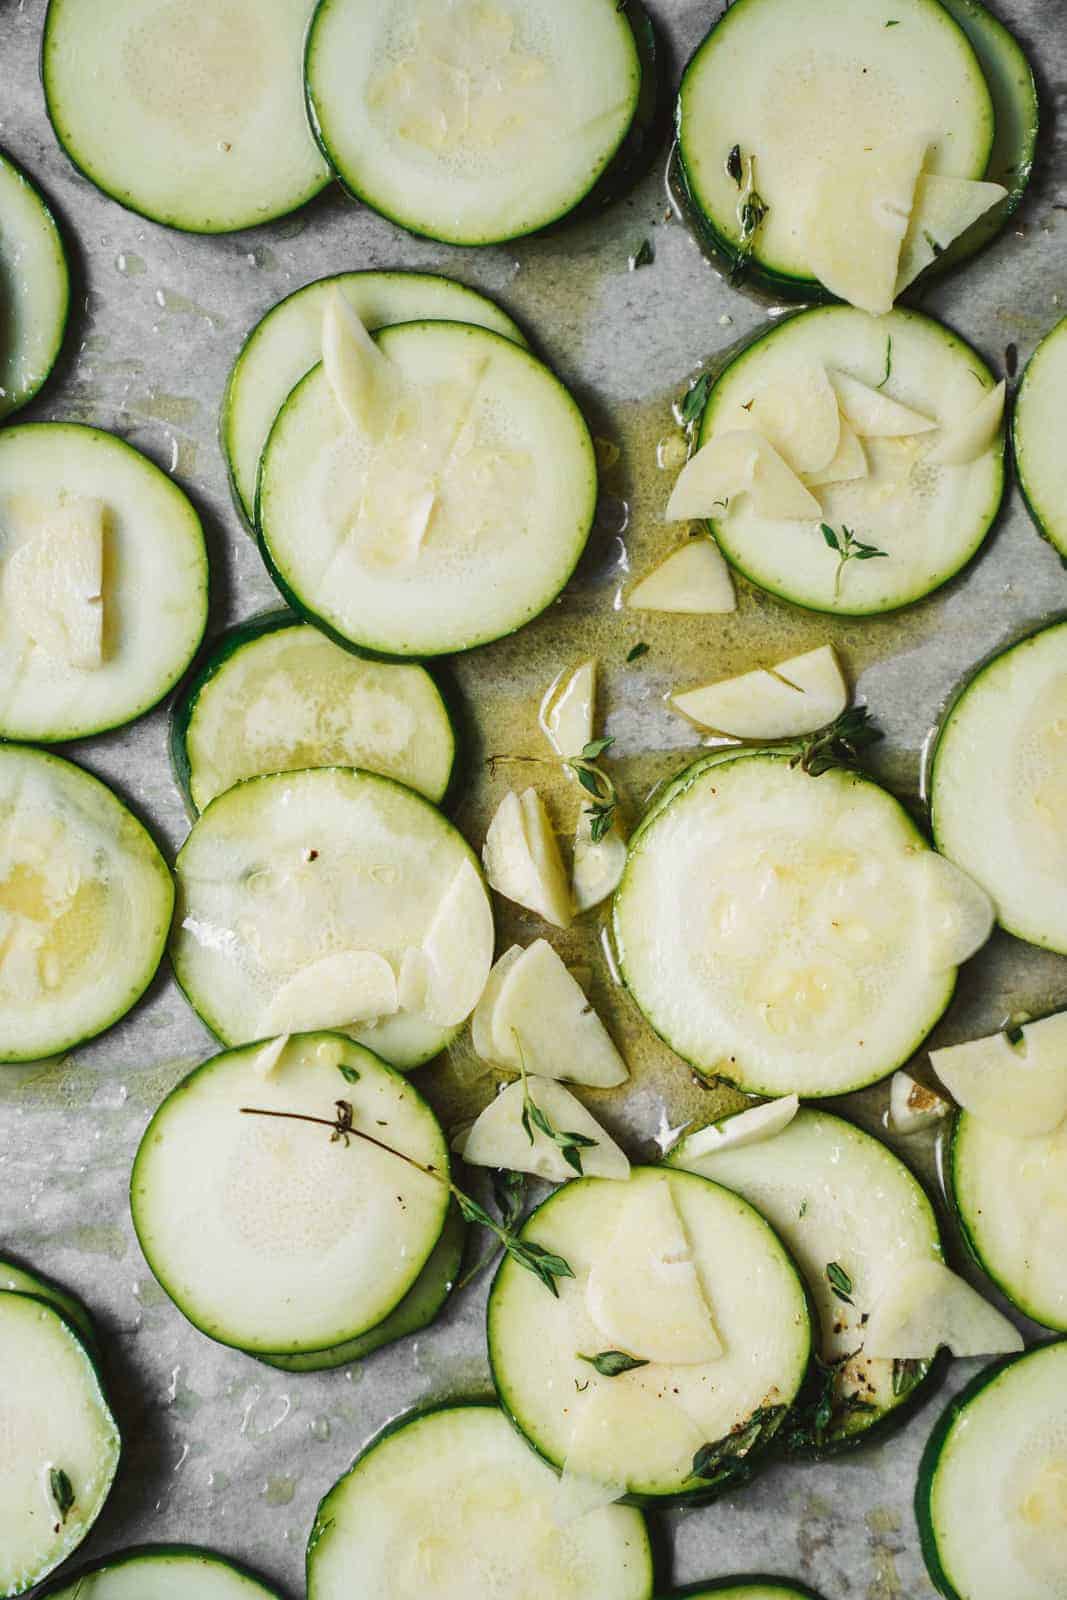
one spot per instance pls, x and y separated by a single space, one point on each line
595 781
62 1491
643 256
726 1460
906 1374
610 1363
638 651
691 406
544 1264
848 548
888 363
839 745
840 1282
734 168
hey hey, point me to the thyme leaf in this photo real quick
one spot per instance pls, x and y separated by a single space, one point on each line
543 1263
691 406
570 1145
839 745
906 1374
726 1460
349 1074
847 548
840 1282
509 1197
62 1491
643 256
888 363
640 649
734 168
595 781
609 1363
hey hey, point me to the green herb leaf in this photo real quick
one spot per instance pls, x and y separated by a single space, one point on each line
725 1459
596 748
691 407
643 256
349 1074
840 1282
894 22
839 745
888 356
638 651
830 536
802 1213
609 1363
587 779
734 168
62 1491
848 548
602 818
544 1264
906 1374
509 1194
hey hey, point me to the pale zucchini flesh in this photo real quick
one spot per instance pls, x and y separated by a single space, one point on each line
85 905
1039 455
278 696
287 871
990 1495
478 123
164 1572
492 448
766 926
449 1503
928 519
801 90
60 1442
186 111
289 1242
996 783
34 288
154 581
21 1280
645 1426
834 1194
1010 1194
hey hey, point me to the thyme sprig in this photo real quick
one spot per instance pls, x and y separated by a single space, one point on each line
828 1408
839 745
596 782
509 1197
727 1460
848 548
543 1263
570 1145
751 208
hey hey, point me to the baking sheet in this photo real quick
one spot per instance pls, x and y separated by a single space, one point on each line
223 1451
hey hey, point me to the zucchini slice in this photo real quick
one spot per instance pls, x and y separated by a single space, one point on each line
997 777
1010 1194
34 288
893 376
286 343
989 1500
461 524
749 1588
783 931
85 906
103 579
187 111
290 1241
21 1280
667 1266
416 1311
60 1441
801 94
475 123
834 1194
328 898
275 695
163 1572
452 1496
1038 452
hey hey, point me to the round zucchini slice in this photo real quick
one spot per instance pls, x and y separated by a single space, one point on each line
750 1588
189 112
1010 1195
477 123
331 898
60 1441
834 1194
85 906
451 1500
989 1500
291 1240
780 930
686 1280
103 578
34 288
455 526
286 343
803 93
162 1572
22 1281
926 520
1039 454
275 695
997 777
417 1310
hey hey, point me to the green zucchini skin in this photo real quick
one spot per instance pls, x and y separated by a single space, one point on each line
1039 520
632 157
69 1582
932 1455
62 328
62 1300
218 651
737 1588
